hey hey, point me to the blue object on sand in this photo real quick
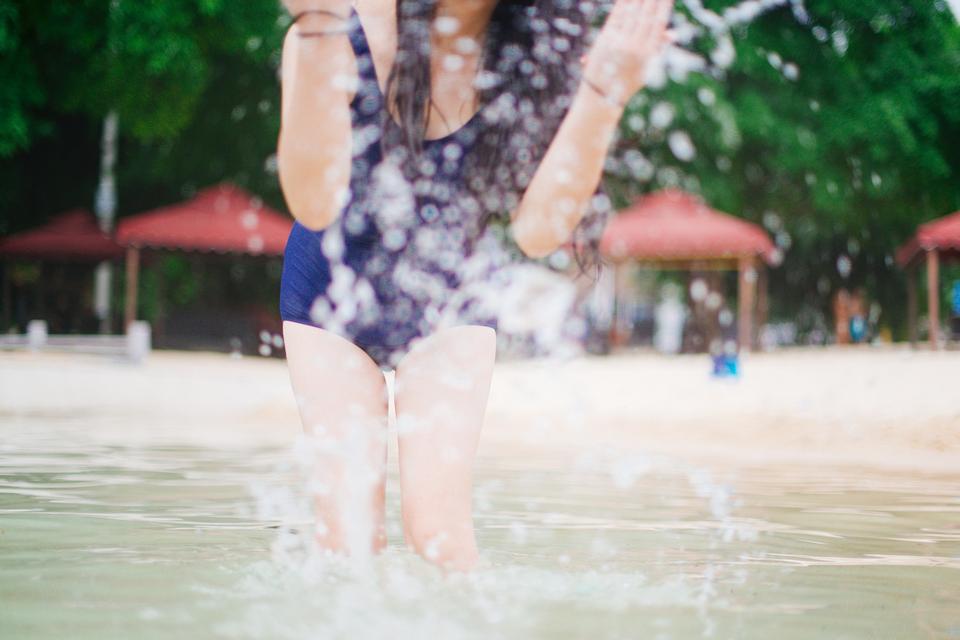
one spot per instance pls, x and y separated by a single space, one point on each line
858 328
726 366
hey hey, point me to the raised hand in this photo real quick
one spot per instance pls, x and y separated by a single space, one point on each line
633 34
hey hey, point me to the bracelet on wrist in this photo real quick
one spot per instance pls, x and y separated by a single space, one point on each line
325 12
603 94
320 34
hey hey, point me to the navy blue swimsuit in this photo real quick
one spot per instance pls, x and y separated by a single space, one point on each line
390 268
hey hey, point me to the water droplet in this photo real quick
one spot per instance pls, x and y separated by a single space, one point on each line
698 290
453 62
661 115
844 266
446 25
682 146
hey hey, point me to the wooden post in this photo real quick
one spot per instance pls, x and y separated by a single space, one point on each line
933 296
133 274
912 305
7 296
612 330
41 293
763 300
747 282
619 276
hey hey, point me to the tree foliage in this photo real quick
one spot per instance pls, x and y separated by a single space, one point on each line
837 127
180 74
839 131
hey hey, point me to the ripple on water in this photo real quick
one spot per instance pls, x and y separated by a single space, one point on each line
107 540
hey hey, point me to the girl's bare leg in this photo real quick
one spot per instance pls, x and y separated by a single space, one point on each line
441 390
342 397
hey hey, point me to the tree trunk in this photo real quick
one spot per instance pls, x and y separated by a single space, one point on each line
106 206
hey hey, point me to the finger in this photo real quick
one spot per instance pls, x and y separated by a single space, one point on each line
663 15
619 15
670 35
616 8
650 31
638 16
631 13
646 20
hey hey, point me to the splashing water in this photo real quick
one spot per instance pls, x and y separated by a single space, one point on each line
440 263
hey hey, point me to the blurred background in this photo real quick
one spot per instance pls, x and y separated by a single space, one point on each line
787 181
833 126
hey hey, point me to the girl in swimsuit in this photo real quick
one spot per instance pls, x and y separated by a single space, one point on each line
408 126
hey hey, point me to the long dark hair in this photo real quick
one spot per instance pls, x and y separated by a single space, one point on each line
528 77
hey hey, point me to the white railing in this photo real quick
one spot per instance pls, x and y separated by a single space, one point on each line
135 344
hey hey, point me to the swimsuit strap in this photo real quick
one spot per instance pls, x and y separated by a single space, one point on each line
361 49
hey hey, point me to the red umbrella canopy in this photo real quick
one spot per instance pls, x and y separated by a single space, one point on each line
942 234
72 236
223 218
675 225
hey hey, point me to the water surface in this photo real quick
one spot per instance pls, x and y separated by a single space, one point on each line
100 539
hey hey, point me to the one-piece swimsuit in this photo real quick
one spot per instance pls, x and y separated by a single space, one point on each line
391 267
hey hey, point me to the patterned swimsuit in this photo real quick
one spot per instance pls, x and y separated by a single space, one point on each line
394 266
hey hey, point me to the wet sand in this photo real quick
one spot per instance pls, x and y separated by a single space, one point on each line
884 407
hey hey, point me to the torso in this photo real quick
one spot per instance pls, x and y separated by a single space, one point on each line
407 244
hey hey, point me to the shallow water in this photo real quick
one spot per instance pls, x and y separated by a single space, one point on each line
104 540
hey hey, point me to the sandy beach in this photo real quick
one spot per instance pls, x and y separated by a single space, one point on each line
879 407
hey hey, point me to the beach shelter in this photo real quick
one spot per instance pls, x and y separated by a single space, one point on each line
222 219
69 237
72 236
673 229
935 241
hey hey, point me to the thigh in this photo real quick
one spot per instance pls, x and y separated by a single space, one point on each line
342 397
336 384
441 388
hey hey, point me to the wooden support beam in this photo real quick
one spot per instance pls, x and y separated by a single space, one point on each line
133 276
40 313
7 297
618 335
933 296
747 281
615 307
912 305
763 300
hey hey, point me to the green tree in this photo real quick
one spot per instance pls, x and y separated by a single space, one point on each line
840 132
176 73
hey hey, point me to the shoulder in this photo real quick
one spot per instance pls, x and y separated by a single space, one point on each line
379 17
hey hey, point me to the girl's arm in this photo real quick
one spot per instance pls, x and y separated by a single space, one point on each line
560 191
318 78
561 188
